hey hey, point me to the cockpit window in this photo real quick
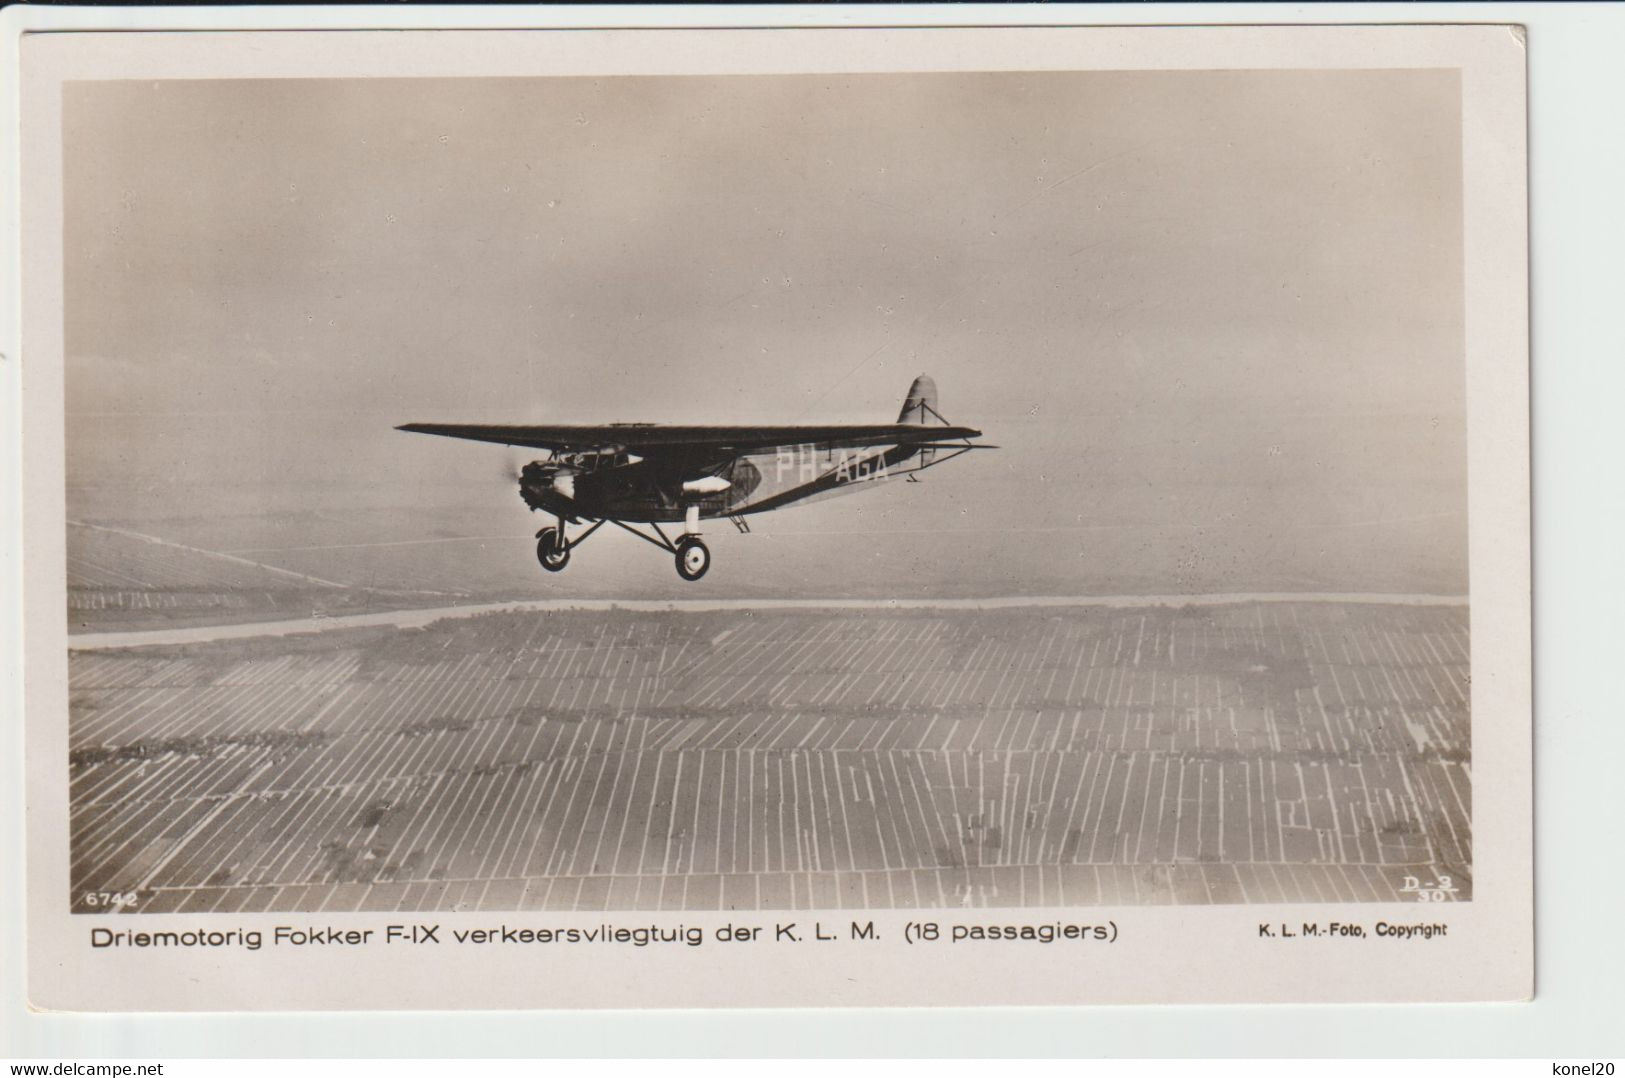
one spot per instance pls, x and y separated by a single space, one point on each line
590 460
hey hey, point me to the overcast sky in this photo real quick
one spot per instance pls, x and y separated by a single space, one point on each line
1175 298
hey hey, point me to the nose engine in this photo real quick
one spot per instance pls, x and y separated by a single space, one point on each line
548 486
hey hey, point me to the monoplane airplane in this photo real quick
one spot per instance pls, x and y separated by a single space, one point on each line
644 473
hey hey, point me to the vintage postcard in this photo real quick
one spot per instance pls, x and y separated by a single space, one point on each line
776 517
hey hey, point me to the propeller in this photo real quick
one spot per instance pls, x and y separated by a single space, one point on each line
513 463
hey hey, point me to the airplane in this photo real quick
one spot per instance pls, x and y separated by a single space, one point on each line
643 473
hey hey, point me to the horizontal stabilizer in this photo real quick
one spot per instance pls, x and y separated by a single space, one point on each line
956 446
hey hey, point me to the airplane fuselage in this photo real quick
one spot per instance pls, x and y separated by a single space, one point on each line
620 486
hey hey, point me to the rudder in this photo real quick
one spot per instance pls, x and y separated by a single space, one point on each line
920 406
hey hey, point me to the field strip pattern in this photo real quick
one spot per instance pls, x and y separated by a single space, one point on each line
781 759
126 581
113 558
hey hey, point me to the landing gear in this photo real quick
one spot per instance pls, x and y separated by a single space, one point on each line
553 546
693 558
552 549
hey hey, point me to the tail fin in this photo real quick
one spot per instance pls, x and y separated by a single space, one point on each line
920 406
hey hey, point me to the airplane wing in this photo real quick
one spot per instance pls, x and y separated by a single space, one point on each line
646 438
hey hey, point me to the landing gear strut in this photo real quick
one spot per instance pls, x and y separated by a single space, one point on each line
693 556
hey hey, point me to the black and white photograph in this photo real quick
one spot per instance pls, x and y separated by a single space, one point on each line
809 491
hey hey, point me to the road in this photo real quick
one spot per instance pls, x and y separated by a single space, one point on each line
419 618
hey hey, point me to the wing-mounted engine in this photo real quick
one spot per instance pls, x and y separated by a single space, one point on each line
717 489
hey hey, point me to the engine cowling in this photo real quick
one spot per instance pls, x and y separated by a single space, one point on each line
549 486
709 484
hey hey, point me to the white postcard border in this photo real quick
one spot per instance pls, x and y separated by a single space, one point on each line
1174 955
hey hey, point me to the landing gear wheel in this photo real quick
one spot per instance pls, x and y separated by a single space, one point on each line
693 559
551 550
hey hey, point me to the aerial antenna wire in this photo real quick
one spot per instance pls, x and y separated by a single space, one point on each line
842 379
1024 204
